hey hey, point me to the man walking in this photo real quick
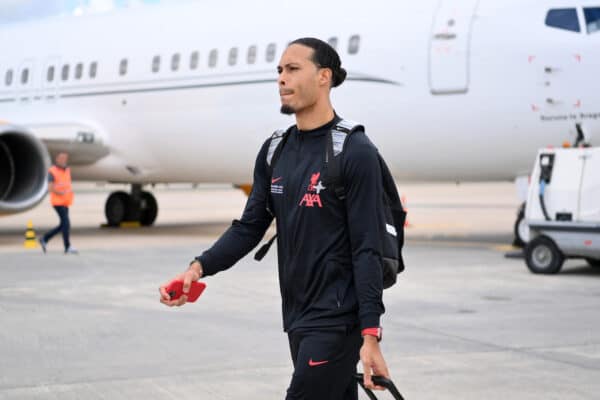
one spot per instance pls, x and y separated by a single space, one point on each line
329 255
61 198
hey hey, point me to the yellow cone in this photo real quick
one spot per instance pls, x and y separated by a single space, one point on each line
30 241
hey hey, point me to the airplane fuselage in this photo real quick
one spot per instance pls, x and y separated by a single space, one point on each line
448 91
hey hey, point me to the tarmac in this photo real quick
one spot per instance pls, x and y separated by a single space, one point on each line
464 322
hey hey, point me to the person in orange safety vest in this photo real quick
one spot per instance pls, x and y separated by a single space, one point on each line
61 198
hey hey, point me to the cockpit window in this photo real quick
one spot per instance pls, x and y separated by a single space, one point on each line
592 19
563 18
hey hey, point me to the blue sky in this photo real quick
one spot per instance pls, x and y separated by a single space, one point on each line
18 10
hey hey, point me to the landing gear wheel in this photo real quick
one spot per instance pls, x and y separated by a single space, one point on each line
593 262
137 206
149 209
117 208
520 229
543 257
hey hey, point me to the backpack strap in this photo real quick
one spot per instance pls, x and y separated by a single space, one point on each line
278 140
336 141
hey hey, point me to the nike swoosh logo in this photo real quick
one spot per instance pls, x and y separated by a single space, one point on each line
312 363
275 180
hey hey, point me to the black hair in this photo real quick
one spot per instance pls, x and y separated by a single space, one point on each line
325 56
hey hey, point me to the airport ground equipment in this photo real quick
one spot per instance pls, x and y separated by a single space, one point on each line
520 228
30 240
379 381
563 209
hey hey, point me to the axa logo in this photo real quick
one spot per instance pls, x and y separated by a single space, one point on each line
313 198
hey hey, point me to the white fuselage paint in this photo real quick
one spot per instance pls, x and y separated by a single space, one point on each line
469 100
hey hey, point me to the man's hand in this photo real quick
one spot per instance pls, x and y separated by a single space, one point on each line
193 273
373 362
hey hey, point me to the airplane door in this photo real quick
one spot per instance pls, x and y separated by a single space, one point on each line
449 46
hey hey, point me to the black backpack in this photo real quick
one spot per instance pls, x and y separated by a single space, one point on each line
395 215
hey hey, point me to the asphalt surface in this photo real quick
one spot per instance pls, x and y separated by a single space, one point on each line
464 322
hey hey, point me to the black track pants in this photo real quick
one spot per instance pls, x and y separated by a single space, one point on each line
64 226
324 363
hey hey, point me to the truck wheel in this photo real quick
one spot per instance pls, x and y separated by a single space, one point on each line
593 262
543 257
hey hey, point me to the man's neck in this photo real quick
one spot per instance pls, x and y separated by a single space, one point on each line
315 117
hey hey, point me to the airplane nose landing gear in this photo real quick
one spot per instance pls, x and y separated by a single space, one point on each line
149 209
117 208
137 206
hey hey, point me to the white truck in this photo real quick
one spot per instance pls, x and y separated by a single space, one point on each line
563 209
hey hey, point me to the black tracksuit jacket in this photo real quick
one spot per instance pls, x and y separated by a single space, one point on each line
328 250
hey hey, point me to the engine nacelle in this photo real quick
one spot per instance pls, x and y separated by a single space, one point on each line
24 163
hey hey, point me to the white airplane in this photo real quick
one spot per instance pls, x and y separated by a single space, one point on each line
448 90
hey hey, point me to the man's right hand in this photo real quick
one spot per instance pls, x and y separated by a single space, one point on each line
193 273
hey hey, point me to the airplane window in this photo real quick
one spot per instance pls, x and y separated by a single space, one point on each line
175 62
8 77
50 73
353 44
212 58
563 18
123 67
194 58
271 49
592 19
156 64
24 76
93 69
65 72
251 55
333 42
233 53
78 71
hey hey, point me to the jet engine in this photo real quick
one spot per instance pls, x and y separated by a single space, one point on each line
24 163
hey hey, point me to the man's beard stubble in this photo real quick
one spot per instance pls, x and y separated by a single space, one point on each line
287 110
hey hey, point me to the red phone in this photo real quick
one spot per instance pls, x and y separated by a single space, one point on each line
175 290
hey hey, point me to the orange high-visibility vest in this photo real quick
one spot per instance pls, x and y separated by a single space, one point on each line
62 183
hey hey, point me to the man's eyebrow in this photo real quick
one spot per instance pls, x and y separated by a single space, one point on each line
288 65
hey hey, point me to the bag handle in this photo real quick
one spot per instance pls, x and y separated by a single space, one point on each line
379 381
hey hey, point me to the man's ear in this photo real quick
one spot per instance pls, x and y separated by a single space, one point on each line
325 77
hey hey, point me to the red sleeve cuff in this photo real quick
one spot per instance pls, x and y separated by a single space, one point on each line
376 332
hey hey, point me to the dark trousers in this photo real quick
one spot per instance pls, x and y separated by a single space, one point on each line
324 363
64 226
